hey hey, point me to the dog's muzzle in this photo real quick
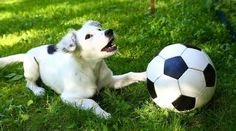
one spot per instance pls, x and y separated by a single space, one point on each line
110 47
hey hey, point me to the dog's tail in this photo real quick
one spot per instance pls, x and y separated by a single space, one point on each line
4 61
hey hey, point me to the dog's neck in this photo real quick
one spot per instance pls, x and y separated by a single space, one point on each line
90 63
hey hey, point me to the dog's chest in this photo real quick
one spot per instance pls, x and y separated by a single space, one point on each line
83 81
85 75
90 74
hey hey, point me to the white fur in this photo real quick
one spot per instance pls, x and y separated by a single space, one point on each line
76 70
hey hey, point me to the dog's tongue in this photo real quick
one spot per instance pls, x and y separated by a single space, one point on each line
109 48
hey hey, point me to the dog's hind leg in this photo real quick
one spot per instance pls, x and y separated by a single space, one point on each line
31 73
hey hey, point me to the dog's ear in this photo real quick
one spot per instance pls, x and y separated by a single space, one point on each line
69 42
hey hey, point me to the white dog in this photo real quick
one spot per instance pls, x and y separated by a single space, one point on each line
74 68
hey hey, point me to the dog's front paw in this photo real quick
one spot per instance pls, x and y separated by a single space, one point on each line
141 76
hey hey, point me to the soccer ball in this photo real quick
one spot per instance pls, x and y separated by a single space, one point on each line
181 78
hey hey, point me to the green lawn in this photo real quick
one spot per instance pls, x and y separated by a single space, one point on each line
25 24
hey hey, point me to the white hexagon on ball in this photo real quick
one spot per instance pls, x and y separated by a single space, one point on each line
168 51
167 88
192 83
194 59
157 65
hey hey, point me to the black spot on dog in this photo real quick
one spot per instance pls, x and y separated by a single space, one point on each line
52 49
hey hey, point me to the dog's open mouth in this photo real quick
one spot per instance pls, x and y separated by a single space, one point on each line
110 47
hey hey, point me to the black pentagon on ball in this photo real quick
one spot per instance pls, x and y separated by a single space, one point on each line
175 67
151 88
210 75
184 103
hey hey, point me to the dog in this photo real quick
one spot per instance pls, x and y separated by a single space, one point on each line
75 67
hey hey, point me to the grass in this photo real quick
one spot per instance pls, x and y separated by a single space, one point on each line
227 6
25 24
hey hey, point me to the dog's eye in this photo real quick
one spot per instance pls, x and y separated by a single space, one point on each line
99 29
88 36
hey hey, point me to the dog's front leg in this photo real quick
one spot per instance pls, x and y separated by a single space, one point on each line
119 81
86 104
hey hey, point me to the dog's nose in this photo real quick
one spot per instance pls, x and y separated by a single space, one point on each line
109 33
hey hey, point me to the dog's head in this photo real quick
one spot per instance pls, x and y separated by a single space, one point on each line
91 41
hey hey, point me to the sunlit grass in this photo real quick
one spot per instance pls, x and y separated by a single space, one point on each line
15 38
7 2
6 15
